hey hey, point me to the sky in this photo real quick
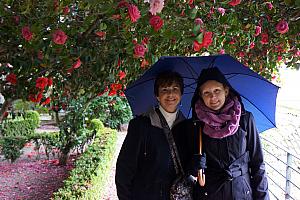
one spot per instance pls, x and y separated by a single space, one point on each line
289 93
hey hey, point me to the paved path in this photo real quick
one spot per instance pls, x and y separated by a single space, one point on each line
110 189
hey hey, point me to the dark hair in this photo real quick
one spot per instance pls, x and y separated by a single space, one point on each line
167 78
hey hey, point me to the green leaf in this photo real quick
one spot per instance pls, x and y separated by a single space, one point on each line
199 38
193 13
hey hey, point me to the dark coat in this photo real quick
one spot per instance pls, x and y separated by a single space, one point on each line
235 165
145 167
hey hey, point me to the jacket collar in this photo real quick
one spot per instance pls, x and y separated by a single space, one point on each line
155 121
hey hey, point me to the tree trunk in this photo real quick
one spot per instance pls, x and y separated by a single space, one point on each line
4 108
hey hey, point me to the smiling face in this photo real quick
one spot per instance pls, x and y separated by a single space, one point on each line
169 97
213 94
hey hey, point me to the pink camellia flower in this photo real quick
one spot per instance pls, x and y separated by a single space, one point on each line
26 33
257 31
156 6
59 37
198 21
252 45
76 64
241 54
279 58
156 22
145 41
16 19
11 78
133 12
264 38
139 51
221 11
282 27
269 5
222 51
121 75
297 53
66 10
234 2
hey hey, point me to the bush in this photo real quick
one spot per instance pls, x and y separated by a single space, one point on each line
11 146
96 124
18 127
87 179
33 115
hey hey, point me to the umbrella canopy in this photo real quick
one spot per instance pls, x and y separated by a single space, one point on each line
257 93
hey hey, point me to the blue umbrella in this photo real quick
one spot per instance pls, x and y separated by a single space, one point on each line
257 93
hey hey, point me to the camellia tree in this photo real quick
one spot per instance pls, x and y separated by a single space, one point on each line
52 52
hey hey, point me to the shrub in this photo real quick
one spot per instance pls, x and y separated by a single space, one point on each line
33 115
87 179
96 124
11 146
18 127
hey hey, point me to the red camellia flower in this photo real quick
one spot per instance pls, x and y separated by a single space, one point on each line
66 10
50 81
196 46
207 39
112 93
103 92
11 78
282 27
156 22
139 51
133 12
16 19
264 38
40 55
252 45
122 75
123 4
41 82
26 33
76 64
59 37
234 2
47 101
116 86
101 34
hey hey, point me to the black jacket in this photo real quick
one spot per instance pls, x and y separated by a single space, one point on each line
235 165
145 167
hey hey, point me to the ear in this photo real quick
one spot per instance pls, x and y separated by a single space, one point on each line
226 91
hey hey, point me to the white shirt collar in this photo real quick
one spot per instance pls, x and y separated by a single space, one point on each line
170 117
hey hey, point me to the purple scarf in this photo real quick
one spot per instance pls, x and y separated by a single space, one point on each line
222 123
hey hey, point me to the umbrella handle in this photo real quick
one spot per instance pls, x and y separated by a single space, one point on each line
201 175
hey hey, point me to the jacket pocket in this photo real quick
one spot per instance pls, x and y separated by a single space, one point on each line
241 188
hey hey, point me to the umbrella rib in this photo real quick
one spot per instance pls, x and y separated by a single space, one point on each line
193 72
139 83
258 109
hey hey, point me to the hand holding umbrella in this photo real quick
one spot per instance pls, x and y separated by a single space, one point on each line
201 175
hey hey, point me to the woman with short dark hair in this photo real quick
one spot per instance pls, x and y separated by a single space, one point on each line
145 169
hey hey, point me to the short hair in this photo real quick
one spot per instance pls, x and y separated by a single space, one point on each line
167 78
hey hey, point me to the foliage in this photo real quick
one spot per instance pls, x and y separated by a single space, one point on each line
18 127
11 146
90 172
34 116
112 110
96 124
